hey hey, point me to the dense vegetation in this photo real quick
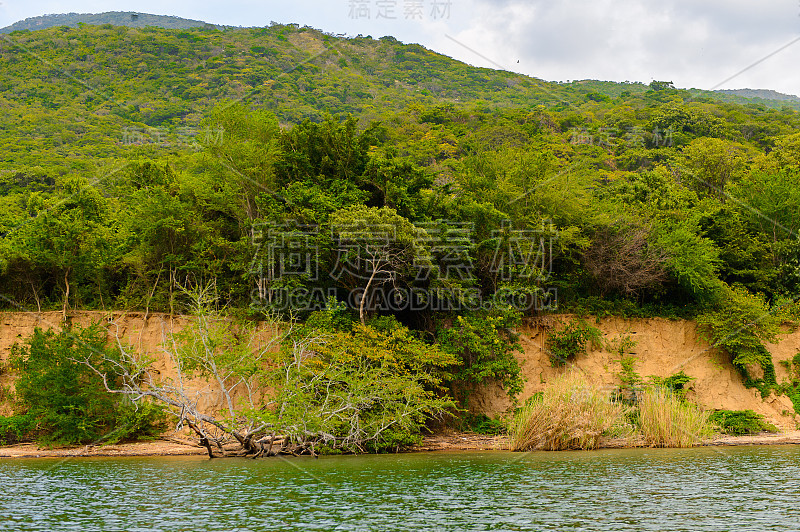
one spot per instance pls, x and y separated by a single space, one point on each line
284 166
59 400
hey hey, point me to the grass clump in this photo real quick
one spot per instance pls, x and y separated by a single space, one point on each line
664 420
741 422
569 414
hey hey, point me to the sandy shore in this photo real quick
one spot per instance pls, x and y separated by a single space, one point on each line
160 447
455 441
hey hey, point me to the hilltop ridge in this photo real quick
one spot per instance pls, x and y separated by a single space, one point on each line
131 19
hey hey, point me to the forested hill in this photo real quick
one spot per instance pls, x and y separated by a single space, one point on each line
265 165
74 90
70 92
117 18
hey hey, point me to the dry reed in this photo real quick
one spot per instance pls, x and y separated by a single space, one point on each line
569 414
666 421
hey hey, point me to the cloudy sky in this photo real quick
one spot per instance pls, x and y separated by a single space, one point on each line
694 43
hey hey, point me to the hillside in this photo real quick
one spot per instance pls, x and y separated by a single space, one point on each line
762 94
129 19
663 347
284 170
73 91
85 93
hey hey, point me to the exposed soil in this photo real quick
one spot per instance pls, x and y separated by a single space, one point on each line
663 348
160 447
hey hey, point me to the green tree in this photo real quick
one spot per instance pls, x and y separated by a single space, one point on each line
712 165
69 235
378 249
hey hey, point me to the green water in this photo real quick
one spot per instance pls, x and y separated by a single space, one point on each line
739 489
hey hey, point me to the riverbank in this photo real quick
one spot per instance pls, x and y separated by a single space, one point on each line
456 441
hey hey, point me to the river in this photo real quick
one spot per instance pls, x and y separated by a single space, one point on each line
733 488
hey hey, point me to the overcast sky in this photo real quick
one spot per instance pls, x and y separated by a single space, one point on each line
694 43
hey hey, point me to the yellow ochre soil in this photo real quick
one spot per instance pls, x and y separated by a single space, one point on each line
663 348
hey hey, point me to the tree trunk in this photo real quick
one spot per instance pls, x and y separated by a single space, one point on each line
66 294
361 311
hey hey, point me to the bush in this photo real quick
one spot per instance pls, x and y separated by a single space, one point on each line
665 420
741 422
570 414
740 323
357 390
483 424
14 429
675 383
485 343
137 421
570 340
796 366
67 401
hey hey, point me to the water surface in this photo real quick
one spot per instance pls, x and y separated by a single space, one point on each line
742 489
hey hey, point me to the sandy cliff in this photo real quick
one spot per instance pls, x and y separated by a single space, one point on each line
663 347
148 337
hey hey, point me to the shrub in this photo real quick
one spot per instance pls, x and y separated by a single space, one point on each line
14 429
570 340
675 383
740 422
66 399
137 421
485 343
570 414
483 424
796 366
740 323
666 421
357 390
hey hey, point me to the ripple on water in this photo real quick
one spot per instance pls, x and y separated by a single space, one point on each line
624 490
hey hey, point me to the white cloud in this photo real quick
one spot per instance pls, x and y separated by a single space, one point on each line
694 44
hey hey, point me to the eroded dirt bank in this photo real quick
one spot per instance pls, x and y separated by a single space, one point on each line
149 335
663 348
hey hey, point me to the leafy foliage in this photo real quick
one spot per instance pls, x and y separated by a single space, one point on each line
485 343
674 383
740 323
363 389
62 401
570 340
741 422
483 424
16 428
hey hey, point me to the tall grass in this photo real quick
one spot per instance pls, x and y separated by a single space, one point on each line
666 421
569 414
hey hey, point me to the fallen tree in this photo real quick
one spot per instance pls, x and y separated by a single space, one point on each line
331 385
